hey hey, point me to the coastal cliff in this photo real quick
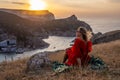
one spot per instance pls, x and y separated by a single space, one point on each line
106 37
63 27
39 15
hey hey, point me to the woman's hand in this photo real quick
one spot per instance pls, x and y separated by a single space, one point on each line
79 61
89 35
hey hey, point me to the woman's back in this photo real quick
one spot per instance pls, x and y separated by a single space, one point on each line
81 47
79 50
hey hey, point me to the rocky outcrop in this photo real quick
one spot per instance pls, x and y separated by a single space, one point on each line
107 37
36 43
71 18
63 27
95 36
37 62
13 25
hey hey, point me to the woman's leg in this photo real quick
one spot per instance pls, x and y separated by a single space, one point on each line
68 50
85 60
65 58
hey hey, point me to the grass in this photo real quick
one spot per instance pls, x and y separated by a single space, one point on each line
109 52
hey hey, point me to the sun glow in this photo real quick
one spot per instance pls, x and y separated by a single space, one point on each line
37 5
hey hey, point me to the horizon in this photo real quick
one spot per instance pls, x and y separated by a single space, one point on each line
81 8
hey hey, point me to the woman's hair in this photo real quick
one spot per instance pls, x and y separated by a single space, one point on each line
83 31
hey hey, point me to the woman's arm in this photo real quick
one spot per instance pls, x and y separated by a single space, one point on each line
74 55
89 43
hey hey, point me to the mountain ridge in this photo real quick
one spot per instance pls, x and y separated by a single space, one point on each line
36 15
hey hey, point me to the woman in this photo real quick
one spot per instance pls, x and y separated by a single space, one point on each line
78 53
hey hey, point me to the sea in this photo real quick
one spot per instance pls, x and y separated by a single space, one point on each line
61 43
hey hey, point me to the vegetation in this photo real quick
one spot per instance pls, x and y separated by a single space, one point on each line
109 52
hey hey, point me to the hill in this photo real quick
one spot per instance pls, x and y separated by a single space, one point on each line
109 52
106 37
63 27
33 15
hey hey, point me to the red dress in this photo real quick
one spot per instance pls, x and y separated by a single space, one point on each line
80 50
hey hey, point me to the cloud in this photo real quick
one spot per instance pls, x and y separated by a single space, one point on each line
13 2
116 1
20 3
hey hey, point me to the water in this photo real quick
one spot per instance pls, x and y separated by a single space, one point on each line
56 43
103 25
60 43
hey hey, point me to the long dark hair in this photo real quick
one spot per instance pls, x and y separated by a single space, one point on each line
83 31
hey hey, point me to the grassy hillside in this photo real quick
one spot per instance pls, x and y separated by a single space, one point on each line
109 52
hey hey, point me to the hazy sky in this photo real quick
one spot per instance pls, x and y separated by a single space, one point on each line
64 8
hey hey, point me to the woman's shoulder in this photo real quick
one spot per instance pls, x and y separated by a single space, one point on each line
78 40
89 42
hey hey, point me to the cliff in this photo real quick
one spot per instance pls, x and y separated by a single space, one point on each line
106 37
39 15
13 25
62 27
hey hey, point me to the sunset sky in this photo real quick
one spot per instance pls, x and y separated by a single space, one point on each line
65 8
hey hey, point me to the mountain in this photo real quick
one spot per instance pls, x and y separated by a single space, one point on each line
33 15
14 25
107 37
62 27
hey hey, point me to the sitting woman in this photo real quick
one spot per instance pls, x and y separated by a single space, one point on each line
78 53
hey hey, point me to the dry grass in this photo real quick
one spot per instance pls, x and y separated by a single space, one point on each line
109 52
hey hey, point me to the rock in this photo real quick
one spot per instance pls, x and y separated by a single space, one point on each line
95 36
1 31
63 27
37 43
71 18
22 34
38 61
107 37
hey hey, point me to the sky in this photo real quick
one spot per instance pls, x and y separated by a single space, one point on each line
65 8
